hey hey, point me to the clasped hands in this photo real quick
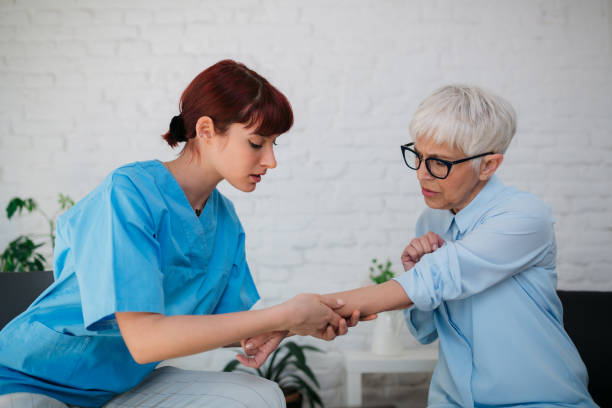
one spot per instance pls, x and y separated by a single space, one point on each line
318 315
309 315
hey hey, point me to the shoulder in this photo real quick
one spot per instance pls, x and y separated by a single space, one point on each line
514 202
128 187
133 176
519 213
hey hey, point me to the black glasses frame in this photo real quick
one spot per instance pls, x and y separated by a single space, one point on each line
428 160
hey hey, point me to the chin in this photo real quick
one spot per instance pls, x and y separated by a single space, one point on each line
246 188
434 204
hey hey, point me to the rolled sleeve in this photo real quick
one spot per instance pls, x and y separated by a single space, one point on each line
497 249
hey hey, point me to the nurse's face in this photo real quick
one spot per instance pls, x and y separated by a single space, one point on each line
455 191
242 157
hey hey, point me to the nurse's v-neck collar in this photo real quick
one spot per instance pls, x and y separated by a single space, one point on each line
203 226
172 182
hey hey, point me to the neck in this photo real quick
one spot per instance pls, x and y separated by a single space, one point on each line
473 193
197 180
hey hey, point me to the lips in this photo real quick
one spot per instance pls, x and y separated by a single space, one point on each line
428 193
256 177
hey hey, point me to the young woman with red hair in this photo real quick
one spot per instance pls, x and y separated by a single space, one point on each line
151 265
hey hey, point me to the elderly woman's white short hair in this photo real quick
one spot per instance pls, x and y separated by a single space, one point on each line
466 117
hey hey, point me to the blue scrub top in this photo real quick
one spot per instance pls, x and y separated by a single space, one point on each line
489 295
133 244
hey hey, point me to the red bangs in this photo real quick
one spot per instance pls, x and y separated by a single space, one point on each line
270 113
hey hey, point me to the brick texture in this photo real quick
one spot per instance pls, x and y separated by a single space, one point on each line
86 86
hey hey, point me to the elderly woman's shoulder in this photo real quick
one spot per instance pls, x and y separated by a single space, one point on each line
515 201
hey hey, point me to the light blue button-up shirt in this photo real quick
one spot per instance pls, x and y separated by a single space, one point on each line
133 244
489 295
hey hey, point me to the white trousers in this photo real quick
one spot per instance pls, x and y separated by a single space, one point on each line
173 388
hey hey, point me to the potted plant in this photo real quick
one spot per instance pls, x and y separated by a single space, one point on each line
287 366
380 273
386 339
18 290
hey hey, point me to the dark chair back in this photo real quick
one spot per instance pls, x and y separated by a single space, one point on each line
18 290
587 317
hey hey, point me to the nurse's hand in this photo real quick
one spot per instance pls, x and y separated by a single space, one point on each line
420 246
314 315
258 348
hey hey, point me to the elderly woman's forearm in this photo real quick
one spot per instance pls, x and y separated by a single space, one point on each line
373 299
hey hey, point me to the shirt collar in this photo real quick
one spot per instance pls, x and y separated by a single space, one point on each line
446 220
468 215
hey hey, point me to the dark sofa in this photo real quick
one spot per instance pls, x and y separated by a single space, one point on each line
586 316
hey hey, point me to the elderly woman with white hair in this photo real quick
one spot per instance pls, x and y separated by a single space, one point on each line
481 275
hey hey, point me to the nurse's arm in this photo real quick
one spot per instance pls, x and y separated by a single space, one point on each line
154 337
373 299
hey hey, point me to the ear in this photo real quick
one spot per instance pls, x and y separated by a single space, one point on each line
205 128
489 165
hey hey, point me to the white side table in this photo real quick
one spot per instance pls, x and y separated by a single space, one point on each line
422 359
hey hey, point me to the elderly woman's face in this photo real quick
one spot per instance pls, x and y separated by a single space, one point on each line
455 191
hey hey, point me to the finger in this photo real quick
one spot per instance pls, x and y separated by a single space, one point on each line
253 362
424 241
342 328
260 355
333 319
369 317
405 252
414 255
332 303
247 361
251 344
432 238
330 333
354 319
416 245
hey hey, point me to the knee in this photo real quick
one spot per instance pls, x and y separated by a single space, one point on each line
267 392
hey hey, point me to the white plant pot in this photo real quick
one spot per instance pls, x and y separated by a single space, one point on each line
386 339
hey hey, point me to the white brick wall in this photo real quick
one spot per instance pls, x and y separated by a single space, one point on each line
87 85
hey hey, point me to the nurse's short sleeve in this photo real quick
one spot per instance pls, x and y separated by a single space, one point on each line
240 293
116 255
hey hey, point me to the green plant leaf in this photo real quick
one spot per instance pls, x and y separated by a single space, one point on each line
296 350
313 348
65 201
21 256
269 370
231 366
306 370
280 367
18 205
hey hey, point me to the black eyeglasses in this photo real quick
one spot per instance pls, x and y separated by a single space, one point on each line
438 168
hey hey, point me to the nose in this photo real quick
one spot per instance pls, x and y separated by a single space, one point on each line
268 160
423 173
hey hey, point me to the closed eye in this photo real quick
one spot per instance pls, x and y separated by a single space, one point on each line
255 146
440 162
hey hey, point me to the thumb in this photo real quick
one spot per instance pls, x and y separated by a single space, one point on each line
332 303
253 343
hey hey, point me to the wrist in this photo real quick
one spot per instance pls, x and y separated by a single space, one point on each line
285 317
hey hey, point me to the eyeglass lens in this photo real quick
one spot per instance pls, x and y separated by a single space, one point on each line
435 167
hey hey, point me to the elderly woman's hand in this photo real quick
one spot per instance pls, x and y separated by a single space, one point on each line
420 246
